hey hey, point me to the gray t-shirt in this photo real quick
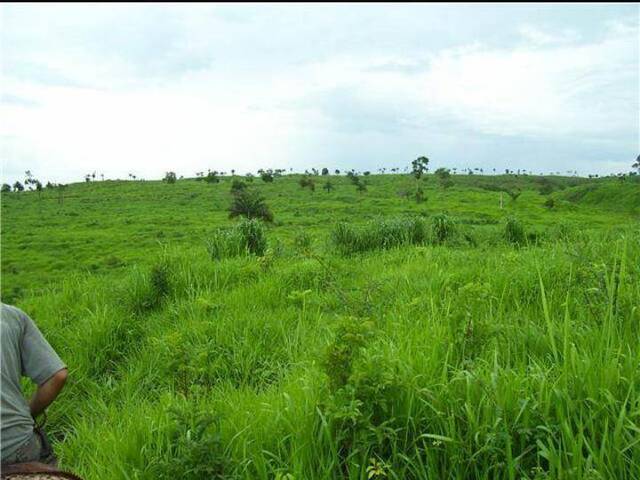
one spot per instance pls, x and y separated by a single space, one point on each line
24 352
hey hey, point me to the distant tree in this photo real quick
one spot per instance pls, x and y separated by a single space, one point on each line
419 166
267 176
87 177
6 188
366 173
212 177
170 177
49 185
325 171
328 186
39 188
336 171
233 172
250 204
102 177
443 175
637 165
18 187
29 180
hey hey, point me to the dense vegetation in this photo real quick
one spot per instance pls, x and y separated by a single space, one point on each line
474 331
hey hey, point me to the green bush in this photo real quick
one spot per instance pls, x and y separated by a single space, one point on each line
246 238
170 177
514 231
238 186
195 450
379 234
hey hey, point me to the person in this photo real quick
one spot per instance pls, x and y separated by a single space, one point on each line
25 352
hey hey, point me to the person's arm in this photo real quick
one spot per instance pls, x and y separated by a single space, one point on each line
47 392
42 365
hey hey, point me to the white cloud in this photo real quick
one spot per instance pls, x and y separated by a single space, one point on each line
189 94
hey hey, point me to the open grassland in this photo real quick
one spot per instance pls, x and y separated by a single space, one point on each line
372 337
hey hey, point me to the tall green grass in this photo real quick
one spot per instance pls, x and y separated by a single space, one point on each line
419 360
379 234
246 238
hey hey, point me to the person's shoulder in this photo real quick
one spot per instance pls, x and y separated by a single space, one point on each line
12 312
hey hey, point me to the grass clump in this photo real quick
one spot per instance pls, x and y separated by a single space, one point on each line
246 238
442 228
514 231
379 234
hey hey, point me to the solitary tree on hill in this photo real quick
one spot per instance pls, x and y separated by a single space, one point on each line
419 166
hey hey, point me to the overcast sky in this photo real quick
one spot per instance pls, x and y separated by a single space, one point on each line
144 89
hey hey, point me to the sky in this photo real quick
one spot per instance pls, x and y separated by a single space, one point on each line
142 89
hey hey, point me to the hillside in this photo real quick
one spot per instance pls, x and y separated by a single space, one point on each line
101 227
374 337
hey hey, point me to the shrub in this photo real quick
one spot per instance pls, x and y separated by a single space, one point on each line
328 186
419 194
148 292
379 234
307 181
195 449
246 238
441 228
250 204
550 203
238 186
361 187
444 175
169 177
514 231
5 188
446 183
514 194
350 337
212 177
267 176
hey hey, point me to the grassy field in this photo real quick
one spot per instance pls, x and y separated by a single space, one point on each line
376 337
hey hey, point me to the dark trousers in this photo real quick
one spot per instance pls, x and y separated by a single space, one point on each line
36 449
